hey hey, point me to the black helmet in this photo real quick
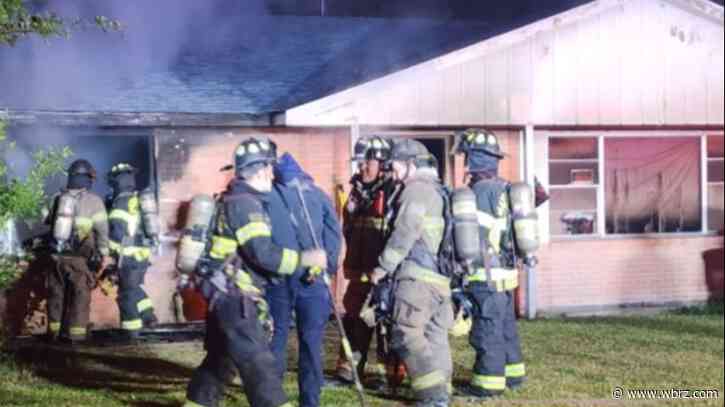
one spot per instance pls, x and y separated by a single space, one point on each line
478 140
121 168
360 148
81 167
254 150
378 149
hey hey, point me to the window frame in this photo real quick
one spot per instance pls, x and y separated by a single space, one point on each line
600 231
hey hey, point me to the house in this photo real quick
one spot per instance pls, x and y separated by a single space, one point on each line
616 106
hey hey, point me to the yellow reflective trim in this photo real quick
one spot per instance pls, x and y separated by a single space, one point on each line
431 222
252 230
189 403
138 253
54 326
132 325
464 207
287 404
503 279
246 284
131 221
222 247
515 370
83 226
372 222
114 246
77 330
289 261
489 382
427 275
101 216
144 305
432 379
392 258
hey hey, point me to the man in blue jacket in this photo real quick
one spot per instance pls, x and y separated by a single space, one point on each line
307 297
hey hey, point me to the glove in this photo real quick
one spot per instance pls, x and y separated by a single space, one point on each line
382 297
377 275
313 258
531 261
462 303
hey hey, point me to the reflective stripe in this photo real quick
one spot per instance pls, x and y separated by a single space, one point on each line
489 382
426 275
289 261
432 379
189 403
489 222
83 226
132 325
287 404
54 326
144 305
464 207
515 370
130 220
222 247
77 330
372 222
138 253
245 283
435 223
252 230
391 258
503 279
101 216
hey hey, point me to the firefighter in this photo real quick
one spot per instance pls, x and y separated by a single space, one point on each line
241 258
299 208
131 239
80 236
494 335
408 267
364 232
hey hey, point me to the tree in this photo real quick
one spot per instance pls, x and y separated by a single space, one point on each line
18 20
24 198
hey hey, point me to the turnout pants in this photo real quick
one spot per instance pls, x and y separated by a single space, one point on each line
235 340
133 303
422 316
312 306
69 297
357 331
495 338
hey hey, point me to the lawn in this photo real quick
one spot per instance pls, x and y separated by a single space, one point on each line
575 362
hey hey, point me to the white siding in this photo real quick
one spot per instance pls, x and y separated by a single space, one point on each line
610 62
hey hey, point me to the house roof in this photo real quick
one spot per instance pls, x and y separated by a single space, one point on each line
254 65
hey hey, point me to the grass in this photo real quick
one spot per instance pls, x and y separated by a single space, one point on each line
570 362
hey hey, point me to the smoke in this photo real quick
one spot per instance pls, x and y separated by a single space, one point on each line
103 151
92 65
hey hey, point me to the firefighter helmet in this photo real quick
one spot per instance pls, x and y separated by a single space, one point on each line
411 150
478 140
378 149
81 167
360 148
254 150
121 168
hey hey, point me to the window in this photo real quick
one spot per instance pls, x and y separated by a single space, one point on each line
633 185
573 183
715 172
652 185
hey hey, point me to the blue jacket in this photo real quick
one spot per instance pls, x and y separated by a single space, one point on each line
290 181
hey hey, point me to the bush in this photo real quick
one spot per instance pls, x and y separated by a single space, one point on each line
24 198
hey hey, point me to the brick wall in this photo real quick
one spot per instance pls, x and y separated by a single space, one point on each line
188 163
601 274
